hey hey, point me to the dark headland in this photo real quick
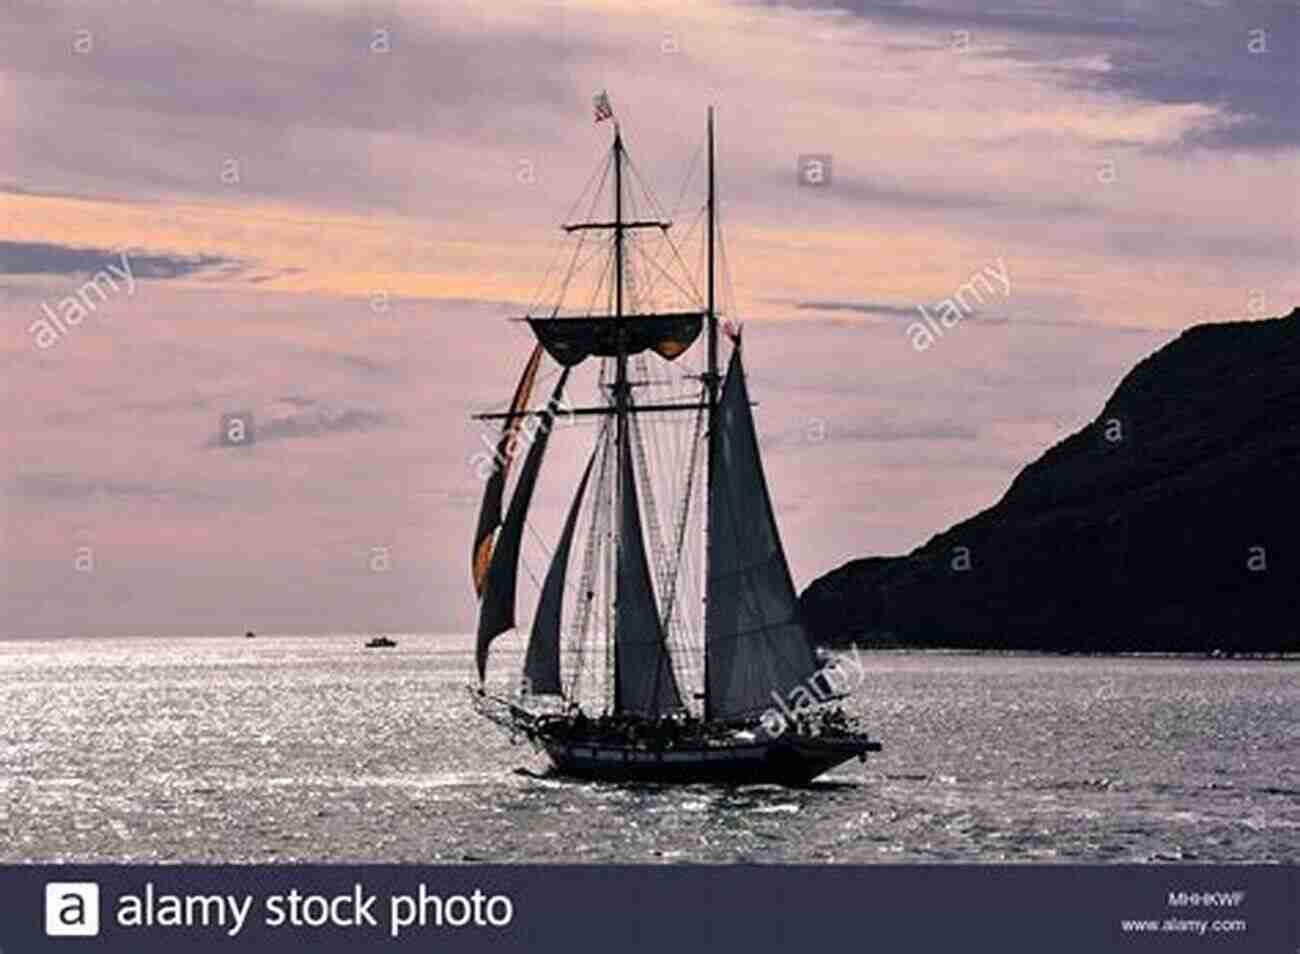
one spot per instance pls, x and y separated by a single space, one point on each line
1171 523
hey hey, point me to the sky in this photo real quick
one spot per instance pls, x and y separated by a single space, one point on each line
323 213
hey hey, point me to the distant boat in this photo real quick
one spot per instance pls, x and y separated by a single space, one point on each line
250 635
665 708
381 642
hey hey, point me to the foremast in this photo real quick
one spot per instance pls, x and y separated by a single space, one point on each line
644 683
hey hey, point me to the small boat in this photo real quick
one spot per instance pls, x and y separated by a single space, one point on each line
250 635
678 622
381 642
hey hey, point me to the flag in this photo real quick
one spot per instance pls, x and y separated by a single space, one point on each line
603 110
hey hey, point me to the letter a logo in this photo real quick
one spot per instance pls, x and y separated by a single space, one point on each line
72 909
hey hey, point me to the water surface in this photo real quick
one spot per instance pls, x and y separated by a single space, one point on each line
315 749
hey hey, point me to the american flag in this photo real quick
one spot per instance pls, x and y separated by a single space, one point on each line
603 110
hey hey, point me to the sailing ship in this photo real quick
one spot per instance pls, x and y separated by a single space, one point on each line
660 650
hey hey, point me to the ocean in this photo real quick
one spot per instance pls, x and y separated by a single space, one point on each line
302 749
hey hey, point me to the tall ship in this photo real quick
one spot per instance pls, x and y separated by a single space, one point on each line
665 643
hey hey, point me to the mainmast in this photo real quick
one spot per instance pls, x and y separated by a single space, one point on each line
620 375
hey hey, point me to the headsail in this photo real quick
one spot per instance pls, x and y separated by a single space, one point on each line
489 516
755 643
542 664
645 684
497 613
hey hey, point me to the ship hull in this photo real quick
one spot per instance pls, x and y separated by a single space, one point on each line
783 761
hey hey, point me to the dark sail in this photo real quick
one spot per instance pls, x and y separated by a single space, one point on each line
755 643
542 664
572 340
489 515
644 679
497 613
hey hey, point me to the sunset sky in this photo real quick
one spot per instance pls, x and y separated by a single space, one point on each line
332 207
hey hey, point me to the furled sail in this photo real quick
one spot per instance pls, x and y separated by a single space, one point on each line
497 612
489 515
755 643
542 663
644 681
572 340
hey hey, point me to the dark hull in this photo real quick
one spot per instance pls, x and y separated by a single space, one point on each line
785 761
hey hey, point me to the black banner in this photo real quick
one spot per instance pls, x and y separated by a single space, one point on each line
668 910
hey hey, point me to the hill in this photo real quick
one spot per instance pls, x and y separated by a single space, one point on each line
1171 523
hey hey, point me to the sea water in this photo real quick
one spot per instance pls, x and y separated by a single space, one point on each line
282 749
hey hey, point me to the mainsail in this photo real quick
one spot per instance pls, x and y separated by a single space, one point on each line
497 613
489 516
542 664
644 680
755 643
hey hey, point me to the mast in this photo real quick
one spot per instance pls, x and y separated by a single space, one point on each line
711 378
712 313
620 376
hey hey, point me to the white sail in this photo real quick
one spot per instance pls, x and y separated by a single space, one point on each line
755 643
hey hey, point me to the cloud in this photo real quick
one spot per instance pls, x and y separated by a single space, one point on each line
68 488
42 258
863 308
310 99
817 433
314 423
1241 58
906 312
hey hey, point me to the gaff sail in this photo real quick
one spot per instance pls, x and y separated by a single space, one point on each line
755 642
489 515
497 612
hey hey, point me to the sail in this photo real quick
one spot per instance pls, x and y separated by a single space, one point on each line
755 643
489 515
644 681
497 612
572 340
542 664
